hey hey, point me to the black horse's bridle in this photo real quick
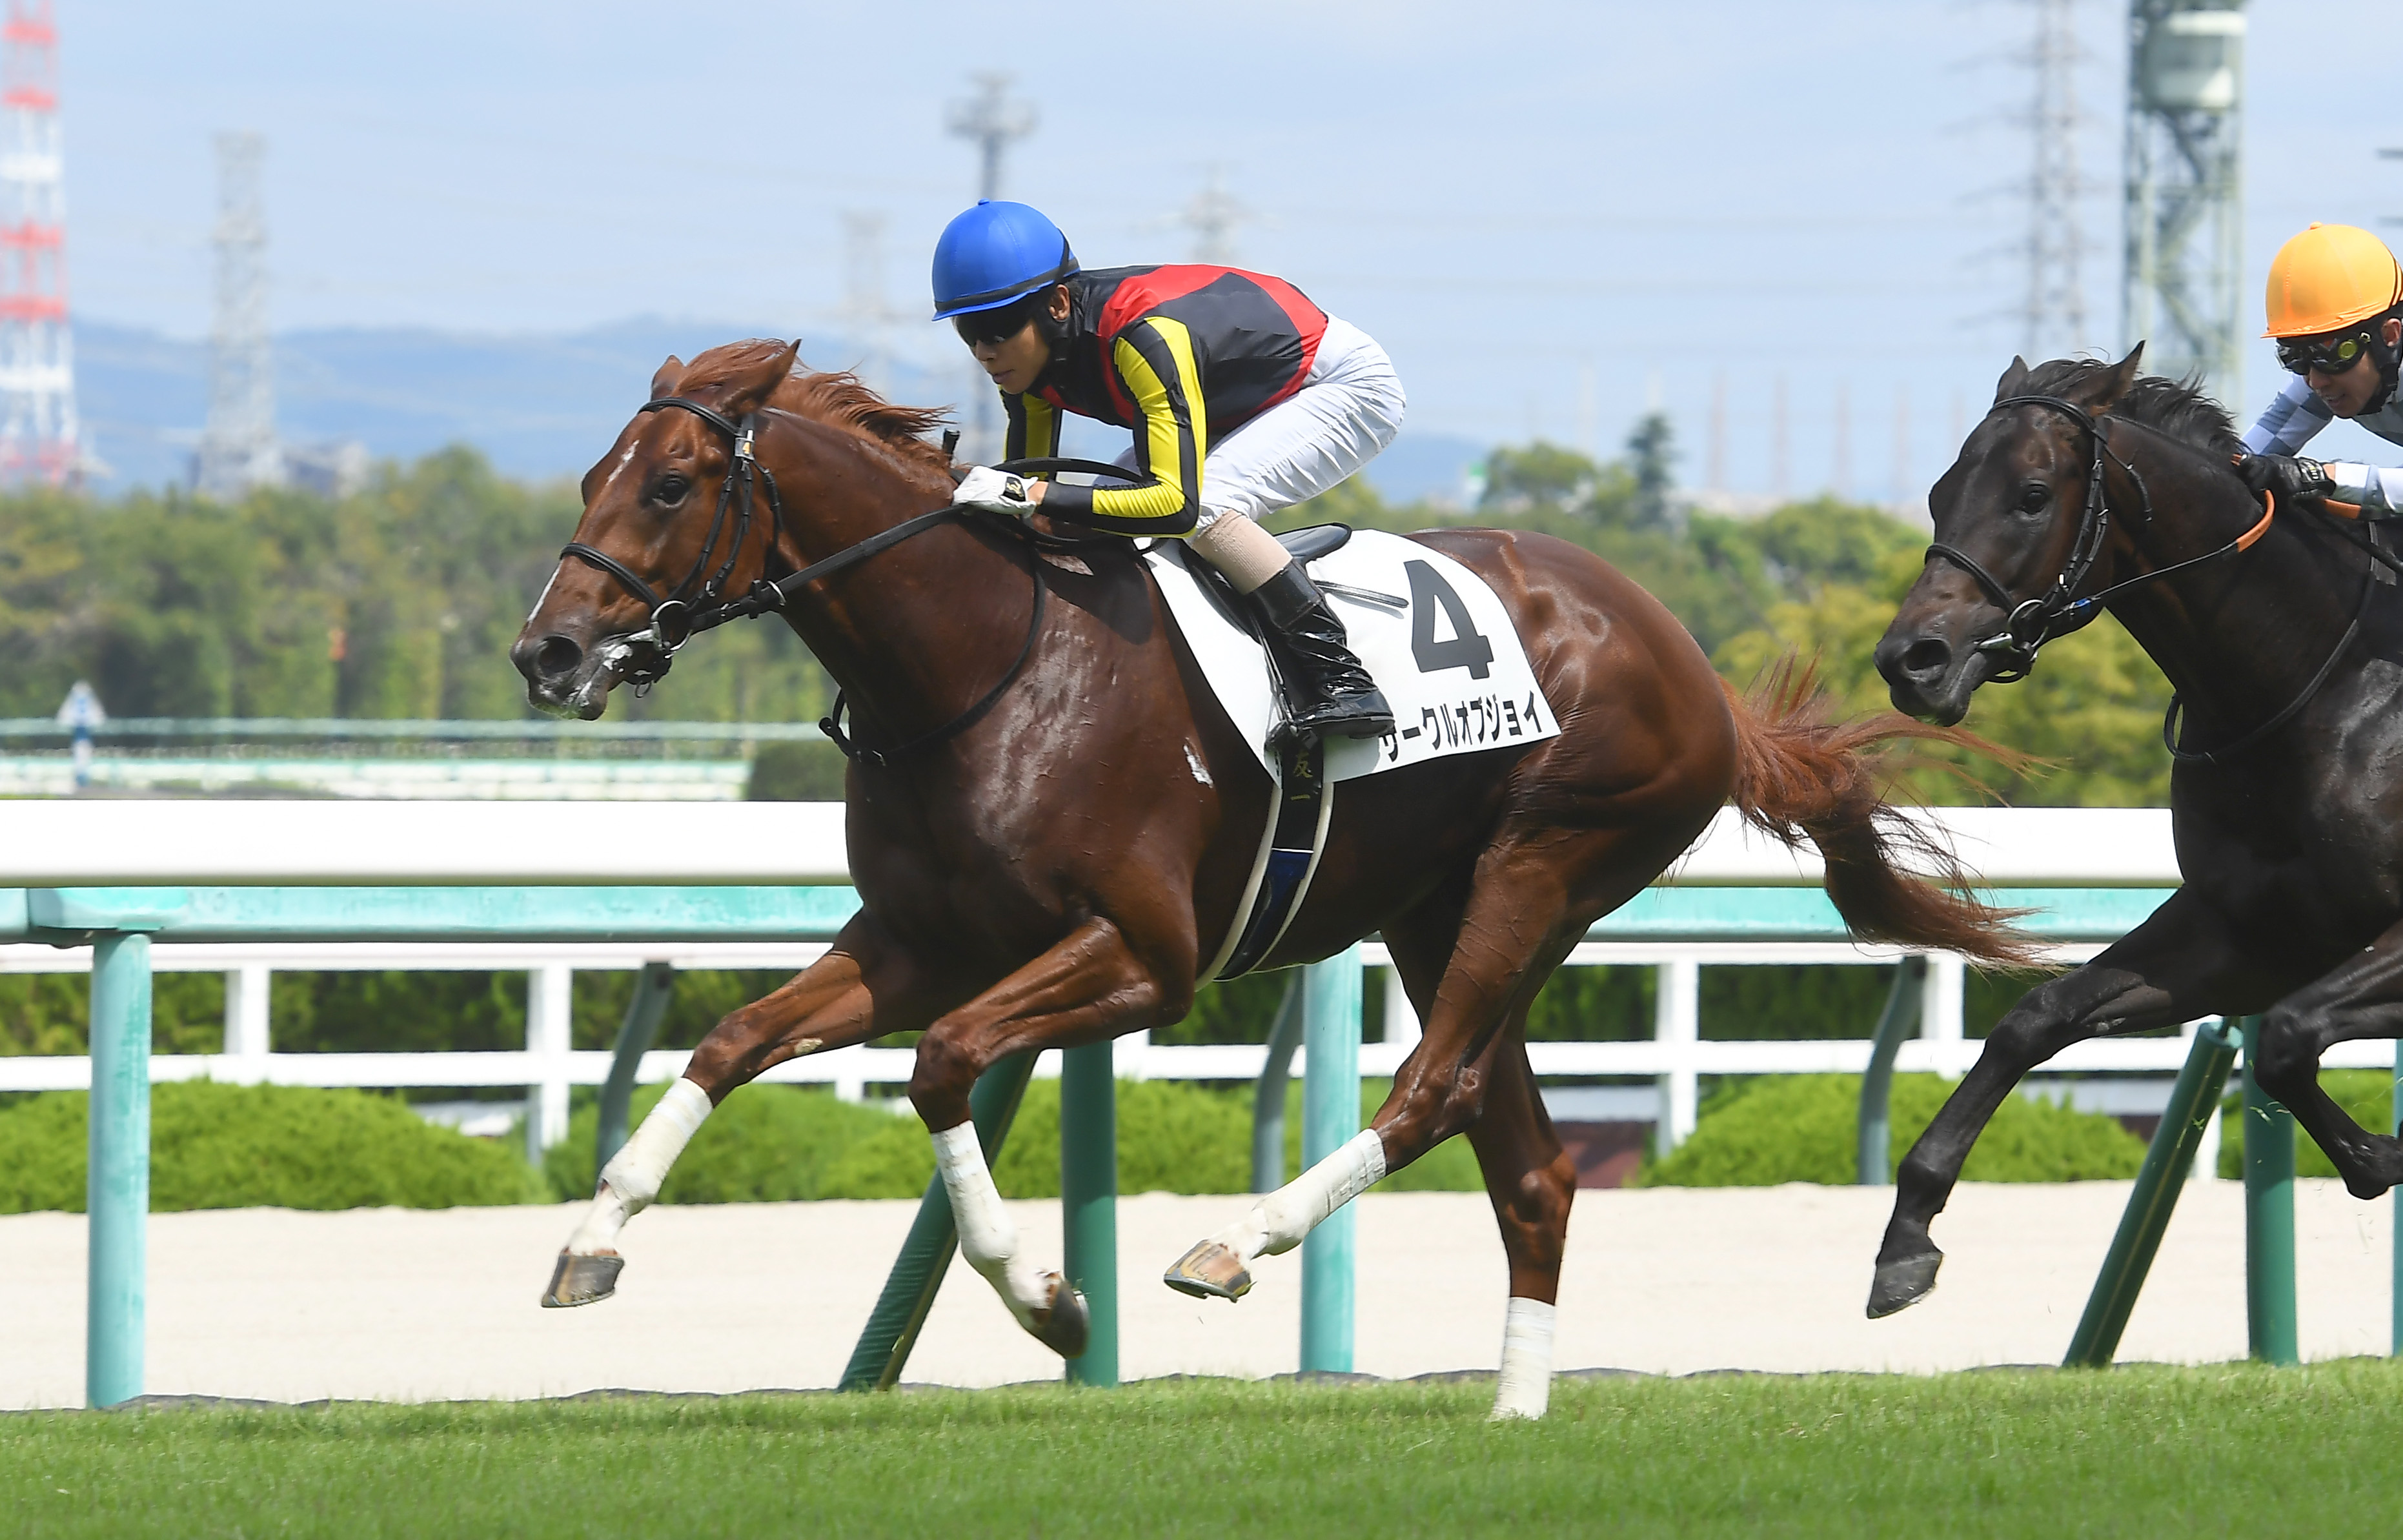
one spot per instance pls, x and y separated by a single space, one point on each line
2057 612
2030 623
686 610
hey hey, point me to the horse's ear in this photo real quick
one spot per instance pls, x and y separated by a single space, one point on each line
2013 378
664 383
2099 391
749 387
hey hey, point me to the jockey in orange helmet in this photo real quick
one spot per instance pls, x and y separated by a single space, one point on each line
2336 308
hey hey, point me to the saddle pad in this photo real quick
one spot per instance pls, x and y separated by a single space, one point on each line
1438 643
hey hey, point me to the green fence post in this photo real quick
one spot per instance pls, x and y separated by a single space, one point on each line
1089 1199
1874 1160
883 1347
2268 1216
1267 1093
653 987
1330 1114
117 1194
2201 1082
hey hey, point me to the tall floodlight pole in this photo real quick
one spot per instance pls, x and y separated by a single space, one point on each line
238 447
992 121
37 412
2054 316
1213 217
2185 198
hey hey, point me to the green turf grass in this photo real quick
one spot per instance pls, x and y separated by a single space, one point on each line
2234 1449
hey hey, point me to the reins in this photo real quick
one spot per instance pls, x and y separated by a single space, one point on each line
678 617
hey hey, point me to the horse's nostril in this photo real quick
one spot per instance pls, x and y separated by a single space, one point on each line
557 656
1926 657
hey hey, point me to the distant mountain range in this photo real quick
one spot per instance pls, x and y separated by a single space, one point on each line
538 405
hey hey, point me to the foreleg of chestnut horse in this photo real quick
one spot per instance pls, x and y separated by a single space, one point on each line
1088 986
2362 998
829 1005
2157 975
1532 1182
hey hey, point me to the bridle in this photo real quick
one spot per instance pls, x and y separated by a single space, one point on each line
2057 612
697 605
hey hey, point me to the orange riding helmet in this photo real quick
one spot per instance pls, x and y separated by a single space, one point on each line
2330 277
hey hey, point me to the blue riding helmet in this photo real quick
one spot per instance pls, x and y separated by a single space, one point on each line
994 253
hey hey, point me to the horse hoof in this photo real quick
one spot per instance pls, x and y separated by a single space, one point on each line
1210 1271
1900 1286
1064 1325
582 1280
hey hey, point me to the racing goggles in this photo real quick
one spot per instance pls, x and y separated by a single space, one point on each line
993 327
2323 355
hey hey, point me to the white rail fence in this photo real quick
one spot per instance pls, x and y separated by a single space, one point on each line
121 843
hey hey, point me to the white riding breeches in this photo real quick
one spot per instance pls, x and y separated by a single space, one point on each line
1348 409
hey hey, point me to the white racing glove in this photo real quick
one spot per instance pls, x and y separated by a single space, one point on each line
994 492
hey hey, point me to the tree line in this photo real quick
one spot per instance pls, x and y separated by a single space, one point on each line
401 600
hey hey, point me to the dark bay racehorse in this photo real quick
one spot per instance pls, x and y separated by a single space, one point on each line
1067 843
2088 481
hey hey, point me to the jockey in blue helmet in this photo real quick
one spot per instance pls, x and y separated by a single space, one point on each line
1244 398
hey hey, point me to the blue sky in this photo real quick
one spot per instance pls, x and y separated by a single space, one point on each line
1551 214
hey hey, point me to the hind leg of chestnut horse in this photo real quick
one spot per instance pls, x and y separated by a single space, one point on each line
1089 988
1534 894
859 990
2157 975
1532 1182
2362 998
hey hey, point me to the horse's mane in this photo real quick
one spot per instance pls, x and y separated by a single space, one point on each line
2177 408
837 398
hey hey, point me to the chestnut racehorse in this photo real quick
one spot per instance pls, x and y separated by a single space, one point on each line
1048 851
2088 487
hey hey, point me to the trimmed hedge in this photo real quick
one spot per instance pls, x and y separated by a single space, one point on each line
218 1146
1805 1128
770 1144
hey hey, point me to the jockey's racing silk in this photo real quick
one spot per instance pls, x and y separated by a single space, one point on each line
1184 355
2298 414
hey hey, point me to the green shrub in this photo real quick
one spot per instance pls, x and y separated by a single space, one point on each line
1805 1128
764 1145
217 1146
775 1142
2367 1096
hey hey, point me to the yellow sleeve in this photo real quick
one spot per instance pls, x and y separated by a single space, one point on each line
1154 357
1034 428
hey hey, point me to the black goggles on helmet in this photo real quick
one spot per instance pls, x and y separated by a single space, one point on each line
994 327
2323 355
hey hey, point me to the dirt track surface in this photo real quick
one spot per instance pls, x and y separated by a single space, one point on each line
403 1305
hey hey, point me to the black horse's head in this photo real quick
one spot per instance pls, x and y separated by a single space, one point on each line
2012 504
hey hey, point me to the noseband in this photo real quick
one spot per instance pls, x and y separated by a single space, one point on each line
2030 623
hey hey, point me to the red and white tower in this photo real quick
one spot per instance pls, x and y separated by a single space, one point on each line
37 415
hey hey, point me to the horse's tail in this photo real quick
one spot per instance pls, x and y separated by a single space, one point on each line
1800 773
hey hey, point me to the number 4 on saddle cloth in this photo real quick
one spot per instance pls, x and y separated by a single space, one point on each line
1435 638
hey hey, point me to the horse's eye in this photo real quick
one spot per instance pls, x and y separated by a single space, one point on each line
2034 499
672 488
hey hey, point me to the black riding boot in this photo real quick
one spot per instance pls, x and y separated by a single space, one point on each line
1327 691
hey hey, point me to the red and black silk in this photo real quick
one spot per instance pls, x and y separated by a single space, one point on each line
1184 355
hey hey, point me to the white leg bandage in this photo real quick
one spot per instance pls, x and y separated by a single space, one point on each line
1526 1384
987 1238
633 1176
1278 1221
